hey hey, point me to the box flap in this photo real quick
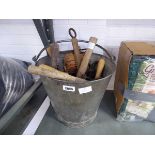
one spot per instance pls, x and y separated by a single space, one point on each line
141 48
121 76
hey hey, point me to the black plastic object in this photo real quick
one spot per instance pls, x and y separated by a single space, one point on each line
14 82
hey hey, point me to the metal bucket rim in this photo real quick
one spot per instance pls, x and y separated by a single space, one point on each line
85 82
110 57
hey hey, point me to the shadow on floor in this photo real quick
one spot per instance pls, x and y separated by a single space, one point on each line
108 104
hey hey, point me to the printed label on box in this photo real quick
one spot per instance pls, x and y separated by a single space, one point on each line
68 88
85 90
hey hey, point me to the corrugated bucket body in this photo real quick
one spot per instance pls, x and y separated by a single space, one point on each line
76 104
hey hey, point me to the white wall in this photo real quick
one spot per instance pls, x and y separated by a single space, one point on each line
19 38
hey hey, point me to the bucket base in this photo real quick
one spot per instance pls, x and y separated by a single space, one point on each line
77 124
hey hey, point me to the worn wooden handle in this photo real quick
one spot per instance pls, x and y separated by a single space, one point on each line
85 61
53 52
100 67
76 51
51 72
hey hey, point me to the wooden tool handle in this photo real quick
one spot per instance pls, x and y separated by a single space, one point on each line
51 72
53 52
49 51
76 51
85 61
100 67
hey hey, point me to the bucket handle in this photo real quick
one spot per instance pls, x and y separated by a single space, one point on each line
111 57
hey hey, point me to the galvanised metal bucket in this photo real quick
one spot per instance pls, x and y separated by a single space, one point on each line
76 104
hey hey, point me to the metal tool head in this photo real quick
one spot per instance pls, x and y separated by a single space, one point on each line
72 33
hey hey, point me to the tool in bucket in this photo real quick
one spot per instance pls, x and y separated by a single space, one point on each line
51 72
75 45
53 52
75 63
100 67
72 60
85 61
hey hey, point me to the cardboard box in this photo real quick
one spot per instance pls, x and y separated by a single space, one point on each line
126 52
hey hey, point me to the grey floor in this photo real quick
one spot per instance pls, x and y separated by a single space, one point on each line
104 124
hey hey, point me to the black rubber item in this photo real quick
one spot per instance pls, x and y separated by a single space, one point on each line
14 82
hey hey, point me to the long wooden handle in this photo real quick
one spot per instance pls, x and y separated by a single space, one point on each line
85 61
51 72
53 52
100 67
76 51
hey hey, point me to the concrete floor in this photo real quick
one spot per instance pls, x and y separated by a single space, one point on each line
104 124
